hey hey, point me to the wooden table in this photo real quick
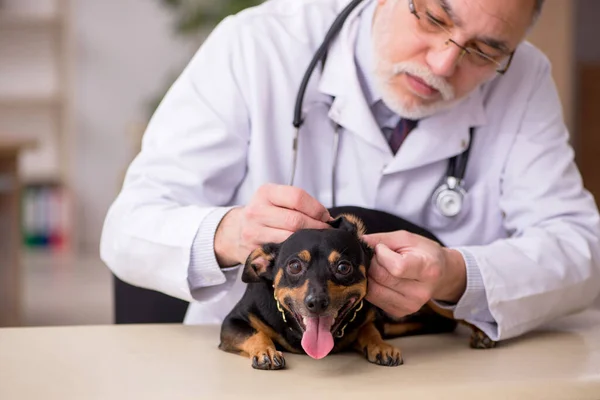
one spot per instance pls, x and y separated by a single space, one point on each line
560 361
10 228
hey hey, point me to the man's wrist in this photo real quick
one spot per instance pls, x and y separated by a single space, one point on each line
225 239
453 284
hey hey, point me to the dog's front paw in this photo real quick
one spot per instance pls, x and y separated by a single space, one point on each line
268 359
383 354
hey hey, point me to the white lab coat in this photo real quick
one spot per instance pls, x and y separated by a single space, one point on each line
225 128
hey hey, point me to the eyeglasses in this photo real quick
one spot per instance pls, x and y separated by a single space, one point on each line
430 25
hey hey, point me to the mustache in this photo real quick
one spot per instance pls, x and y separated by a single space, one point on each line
437 82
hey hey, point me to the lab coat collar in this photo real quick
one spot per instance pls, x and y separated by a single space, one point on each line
438 137
340 80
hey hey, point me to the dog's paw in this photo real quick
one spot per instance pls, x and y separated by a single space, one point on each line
268 359
480 340
383 354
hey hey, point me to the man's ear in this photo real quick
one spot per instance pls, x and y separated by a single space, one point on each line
350 223
259 264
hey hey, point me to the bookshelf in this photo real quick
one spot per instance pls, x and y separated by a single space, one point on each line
36 48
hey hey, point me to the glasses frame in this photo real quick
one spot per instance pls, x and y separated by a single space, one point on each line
502 71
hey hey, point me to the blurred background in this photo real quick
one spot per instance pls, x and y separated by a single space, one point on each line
79 80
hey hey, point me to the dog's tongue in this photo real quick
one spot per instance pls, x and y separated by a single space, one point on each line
317 340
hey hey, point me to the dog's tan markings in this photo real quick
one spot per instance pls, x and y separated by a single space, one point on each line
363 269
350 336
333 257
231 341
375 349
261 350
260 260
354 220
339 293
260 326
277 279
259 252
392 329
444 313
478 340
296 294
304 255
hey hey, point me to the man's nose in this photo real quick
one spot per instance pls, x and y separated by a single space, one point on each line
443 61
317 301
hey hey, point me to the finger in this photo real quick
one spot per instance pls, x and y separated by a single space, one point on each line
256 236
373 239
409 288
388 300
297 199
272 235
381 274
400 265
396 240
413 291
289 220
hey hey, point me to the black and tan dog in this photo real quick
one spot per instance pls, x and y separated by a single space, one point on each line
307 295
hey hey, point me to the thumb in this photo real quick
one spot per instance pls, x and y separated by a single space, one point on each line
385 255
326 216
374 239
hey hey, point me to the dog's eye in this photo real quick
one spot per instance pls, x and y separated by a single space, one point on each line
294 267
344 268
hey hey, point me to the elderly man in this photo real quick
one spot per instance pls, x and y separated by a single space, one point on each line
407 87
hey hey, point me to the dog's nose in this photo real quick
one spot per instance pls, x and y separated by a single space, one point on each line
316 303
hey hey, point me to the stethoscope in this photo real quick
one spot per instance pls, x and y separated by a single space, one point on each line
448 197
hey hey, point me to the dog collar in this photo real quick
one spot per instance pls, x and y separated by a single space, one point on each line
279 307
340 333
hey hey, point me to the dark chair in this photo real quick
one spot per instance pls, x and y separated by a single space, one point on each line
135 305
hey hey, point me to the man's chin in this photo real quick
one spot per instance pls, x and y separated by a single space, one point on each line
413 100
416 108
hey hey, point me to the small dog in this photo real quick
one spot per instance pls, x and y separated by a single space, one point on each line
307 295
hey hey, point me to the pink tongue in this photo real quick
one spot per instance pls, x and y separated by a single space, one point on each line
317 340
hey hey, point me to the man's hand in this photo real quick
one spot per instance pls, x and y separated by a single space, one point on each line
273 214
408 270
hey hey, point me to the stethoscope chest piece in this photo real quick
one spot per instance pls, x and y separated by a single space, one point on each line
449 197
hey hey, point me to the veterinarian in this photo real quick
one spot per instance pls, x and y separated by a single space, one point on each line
406 86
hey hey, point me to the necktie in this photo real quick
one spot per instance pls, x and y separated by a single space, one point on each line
400 133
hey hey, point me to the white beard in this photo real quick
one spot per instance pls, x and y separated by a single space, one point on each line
410 110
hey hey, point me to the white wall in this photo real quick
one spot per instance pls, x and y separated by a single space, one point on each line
554 35
125 53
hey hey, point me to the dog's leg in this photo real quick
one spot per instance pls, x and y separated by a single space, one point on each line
239 337
425 326
375 349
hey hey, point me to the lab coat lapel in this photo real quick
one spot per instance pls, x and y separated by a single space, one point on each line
441 136
339 80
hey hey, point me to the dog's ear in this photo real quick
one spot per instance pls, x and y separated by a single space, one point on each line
368 252
259 264
350 223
